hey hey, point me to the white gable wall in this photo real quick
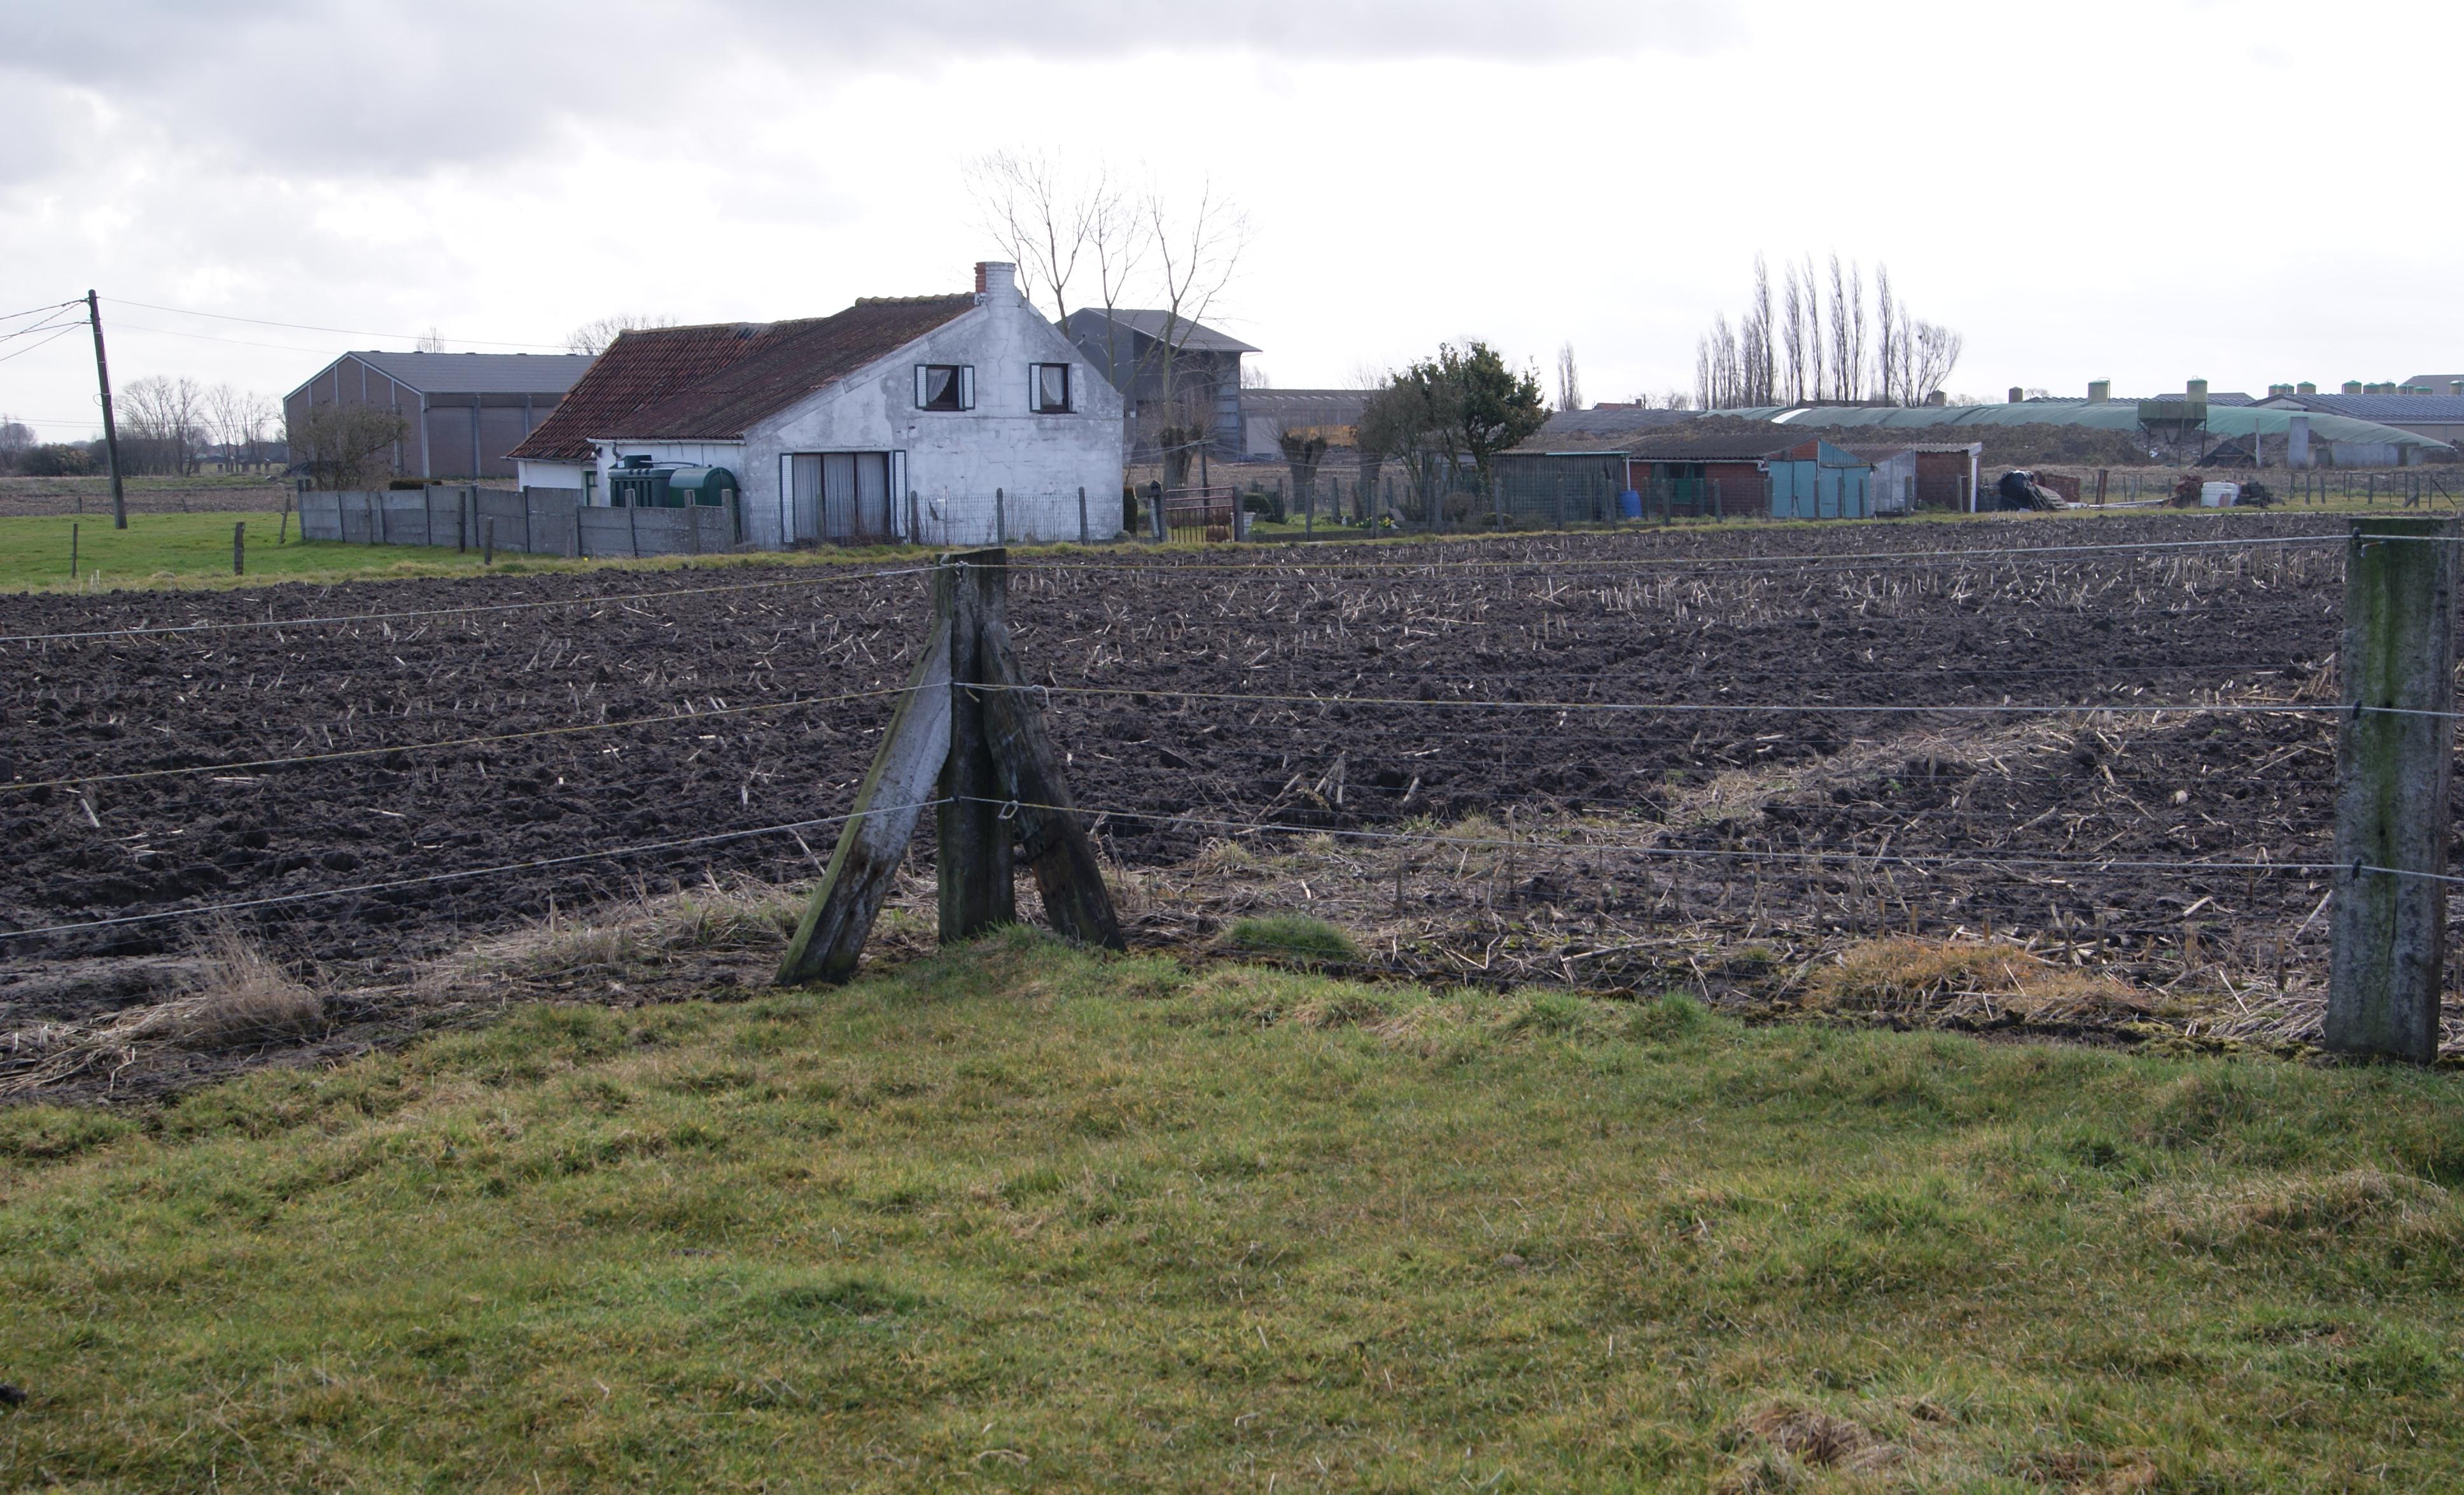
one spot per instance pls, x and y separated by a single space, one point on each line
954 459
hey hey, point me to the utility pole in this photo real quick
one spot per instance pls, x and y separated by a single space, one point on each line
110 431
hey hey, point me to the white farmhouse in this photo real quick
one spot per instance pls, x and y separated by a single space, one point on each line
942 419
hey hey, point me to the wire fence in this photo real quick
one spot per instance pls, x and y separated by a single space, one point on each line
1598 762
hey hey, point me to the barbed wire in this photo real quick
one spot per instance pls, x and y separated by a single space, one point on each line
1836 856
1704 708
231 625
463 873
1799 560
408 748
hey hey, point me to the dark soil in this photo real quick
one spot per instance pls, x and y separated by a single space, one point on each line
1130 644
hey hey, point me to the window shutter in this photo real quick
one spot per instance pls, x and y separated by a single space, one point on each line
1034 388
967 387
920 395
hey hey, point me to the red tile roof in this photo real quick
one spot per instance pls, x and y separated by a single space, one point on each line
714 382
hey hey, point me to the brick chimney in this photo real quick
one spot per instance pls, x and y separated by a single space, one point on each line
995 280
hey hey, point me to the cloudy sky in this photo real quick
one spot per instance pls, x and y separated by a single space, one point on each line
2143 191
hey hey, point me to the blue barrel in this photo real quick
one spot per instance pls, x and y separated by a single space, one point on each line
1630 504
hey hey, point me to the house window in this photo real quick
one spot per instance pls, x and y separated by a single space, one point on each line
1049 388
945 386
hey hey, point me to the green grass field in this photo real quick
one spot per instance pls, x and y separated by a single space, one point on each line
171 550
1019 1218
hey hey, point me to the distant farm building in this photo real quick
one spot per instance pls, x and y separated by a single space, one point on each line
1910 478
464 411
1670 463
2430 408
1267 415
898 418
2308 437
1166 367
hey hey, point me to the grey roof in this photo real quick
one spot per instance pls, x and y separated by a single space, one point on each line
2434 381
2109 415
2388 409
1338 407
480 373
1602 430
1186 333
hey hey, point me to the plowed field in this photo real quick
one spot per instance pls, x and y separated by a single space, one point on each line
1772 676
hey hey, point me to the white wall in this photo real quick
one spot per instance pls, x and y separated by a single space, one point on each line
530 473
956 459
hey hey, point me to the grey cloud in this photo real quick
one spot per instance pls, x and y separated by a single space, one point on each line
355 88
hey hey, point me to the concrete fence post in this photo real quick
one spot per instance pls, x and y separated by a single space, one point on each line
2393 762
1084 535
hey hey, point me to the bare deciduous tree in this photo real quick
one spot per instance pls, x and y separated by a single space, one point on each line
346 446
1799 355
593 335
1569 382
162 421
1044 222
429 341
1197 250
17 439
237 420
1936 353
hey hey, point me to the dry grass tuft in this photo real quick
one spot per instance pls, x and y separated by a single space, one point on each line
245 999
1788 1439
2310 1210
241 999
1986 980
628 942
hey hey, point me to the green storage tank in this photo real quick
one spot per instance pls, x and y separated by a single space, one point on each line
711 487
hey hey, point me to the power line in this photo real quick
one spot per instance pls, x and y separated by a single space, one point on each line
35 310
301 326
46 343
40 326
462 874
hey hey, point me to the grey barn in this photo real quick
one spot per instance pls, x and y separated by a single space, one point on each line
465 411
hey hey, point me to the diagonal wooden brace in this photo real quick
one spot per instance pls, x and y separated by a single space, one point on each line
873 843
1056 845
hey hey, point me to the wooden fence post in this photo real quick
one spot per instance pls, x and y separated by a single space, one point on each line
1085 537
873 840
73 551
1001 520
488 542
977 873
239 548
2393 762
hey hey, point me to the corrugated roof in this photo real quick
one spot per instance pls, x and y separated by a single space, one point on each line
2386 409
716 383
1881 450
1337 407
1681 444
2110 415
1186 333
480 373
1602 431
